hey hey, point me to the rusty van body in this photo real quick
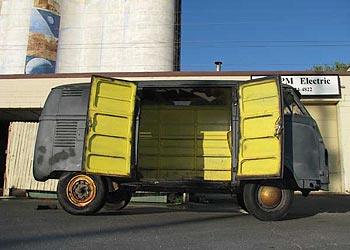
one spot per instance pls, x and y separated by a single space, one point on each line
106 139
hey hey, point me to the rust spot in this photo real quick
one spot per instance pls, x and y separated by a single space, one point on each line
42 149
61 156
40 159
72 152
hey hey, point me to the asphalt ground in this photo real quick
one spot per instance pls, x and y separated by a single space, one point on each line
314 222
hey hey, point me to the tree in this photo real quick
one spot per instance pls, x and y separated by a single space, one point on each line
338 66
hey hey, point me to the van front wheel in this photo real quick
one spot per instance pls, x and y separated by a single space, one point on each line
268 201
81 194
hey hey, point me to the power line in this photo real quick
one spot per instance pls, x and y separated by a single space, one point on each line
259 42
157 46
190 65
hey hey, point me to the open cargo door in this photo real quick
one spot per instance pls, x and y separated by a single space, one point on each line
110 133
261 129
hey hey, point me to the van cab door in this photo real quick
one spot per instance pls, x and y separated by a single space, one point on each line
260 153
109 139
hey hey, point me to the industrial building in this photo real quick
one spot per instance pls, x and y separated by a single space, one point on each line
22 98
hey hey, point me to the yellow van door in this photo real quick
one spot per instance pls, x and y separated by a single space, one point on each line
261 126
109 138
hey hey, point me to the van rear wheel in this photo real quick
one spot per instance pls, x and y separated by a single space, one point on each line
81 194
268 201
117 200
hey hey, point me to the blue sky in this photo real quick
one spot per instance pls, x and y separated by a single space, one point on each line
264 35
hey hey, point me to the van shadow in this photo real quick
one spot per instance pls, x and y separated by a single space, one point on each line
302 207
144 208
312 205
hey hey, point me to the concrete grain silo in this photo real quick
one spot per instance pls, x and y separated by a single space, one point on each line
110 35
29 36
14 31
59 36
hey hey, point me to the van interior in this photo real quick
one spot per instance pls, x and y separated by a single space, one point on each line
184 134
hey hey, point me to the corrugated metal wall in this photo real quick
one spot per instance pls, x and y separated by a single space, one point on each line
19 162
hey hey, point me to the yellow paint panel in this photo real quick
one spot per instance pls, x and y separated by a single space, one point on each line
212 152
111 115
255 127
150 151
214 132
176 130
256 89
106 145
149 131
217 175
213 117
260 151
110 89
184 142
177 143
180 175
108 165
149 174
254 148
111 125
148 162
177 116
213 163
176 162
148 143
177 151
261 167
258 105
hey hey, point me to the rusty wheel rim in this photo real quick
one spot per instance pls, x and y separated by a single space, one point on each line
269 196
81 190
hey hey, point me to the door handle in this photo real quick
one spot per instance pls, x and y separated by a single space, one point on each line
90 124
278 128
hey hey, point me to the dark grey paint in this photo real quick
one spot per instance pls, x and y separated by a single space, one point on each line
305 154
61 133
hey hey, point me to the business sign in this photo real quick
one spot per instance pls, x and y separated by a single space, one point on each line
313 85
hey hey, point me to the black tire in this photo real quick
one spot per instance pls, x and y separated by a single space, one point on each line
117 200
267 201
81 194
240 201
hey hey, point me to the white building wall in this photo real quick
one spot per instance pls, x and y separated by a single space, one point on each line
343 111
14 31
116 36
327 121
